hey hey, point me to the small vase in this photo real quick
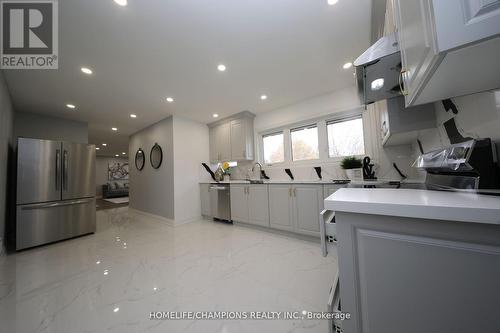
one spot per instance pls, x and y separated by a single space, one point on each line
354 174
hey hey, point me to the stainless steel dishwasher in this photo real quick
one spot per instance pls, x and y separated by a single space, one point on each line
220 201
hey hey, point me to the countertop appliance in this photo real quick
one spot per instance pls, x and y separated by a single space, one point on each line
220 201
55 197
378 71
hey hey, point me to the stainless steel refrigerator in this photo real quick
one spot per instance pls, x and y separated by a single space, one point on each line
55 191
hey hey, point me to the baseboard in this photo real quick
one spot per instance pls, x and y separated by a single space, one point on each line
2 248
170 222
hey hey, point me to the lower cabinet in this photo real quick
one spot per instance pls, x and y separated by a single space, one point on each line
280 207
296 208
307 205
250 204
205 200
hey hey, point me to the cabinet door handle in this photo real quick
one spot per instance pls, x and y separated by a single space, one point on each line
248 189
289 191
294 192
403 91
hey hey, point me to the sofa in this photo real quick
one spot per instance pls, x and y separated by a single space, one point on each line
114 190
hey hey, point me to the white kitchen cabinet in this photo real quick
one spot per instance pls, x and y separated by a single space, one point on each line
239 203
395 271
231 139
220 144
448 48
242 139
307 204
258 205
250 204
400 125
205 200
280 207
295 207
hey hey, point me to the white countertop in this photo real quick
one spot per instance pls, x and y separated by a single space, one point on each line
306 181
438 205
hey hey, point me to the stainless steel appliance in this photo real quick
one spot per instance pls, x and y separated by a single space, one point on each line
378 71
220 201
55 191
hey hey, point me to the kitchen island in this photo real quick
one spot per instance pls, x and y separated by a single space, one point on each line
417 260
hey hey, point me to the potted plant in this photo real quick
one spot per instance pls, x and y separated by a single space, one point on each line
353 167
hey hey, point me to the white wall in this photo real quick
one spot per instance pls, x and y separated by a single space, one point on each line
478 117
172 191
152 190
6 154
101 171
191 148
38 126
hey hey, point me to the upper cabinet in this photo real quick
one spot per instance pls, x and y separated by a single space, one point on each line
448 47
231 139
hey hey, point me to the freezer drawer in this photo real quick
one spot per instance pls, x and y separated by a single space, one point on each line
39 224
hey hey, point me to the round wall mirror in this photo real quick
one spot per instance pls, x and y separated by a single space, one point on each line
156 156
140 160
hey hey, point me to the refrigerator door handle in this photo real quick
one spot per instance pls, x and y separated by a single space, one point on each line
58 170
56 204
65 170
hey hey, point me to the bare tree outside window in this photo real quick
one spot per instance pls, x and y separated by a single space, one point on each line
345 138
274 148
305 143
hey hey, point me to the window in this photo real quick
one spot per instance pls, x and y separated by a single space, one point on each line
305 143
274 148
345 137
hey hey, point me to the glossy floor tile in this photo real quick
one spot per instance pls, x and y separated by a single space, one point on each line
134 265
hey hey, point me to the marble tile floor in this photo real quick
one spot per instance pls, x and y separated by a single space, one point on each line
133 265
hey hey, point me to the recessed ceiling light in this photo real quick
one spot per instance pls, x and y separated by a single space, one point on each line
124 153
263 97
170 99
116 309
104 144
97 148
121 2
347 65
105 272
114 129
330 2
86 70
133 116
215 115
221 68
117 155
70 106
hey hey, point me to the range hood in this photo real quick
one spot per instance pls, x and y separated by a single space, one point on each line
378 70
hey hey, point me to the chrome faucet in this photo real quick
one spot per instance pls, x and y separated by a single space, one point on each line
260 167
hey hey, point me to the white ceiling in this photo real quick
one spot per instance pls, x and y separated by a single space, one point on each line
290 50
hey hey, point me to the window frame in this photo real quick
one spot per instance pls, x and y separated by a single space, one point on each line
340 120
261 143
321 124
299 128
